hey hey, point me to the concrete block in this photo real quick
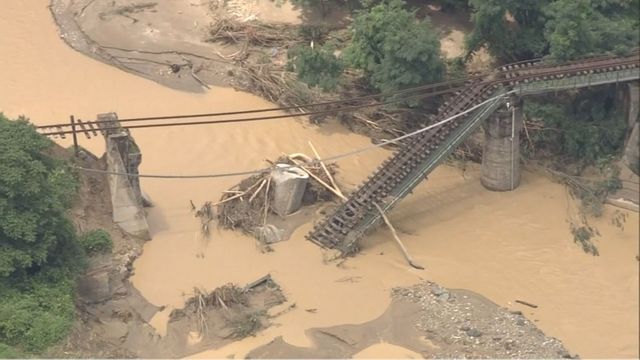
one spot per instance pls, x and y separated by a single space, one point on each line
289 183
270 234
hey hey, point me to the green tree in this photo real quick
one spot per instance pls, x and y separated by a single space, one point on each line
514 30
317 66
394 49
511 30
39 252
585 129
583 27
35 192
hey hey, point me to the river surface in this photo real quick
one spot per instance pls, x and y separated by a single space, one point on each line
505 246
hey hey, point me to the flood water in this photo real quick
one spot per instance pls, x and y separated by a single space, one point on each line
505 246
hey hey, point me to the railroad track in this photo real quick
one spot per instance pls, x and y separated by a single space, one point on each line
415 158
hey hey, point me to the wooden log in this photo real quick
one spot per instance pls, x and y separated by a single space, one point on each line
395 236
527 304
326 171
336 193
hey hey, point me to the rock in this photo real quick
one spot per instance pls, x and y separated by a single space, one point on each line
437 290
270 234
443 297
520 322
474 333
95 287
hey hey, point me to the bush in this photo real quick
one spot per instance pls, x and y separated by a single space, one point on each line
317 67
96 241
36 313
8 352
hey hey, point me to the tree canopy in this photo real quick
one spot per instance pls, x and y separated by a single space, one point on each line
317 66
515 30
39 252
394 49
35 192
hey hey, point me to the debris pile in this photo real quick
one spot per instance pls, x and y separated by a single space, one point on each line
249 205
229 311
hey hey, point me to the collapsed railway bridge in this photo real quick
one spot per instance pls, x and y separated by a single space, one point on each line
467 110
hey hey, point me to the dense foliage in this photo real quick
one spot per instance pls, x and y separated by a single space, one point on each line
581 27
515 30
36 312
393 48
35 192
587 129
39 252
510 29
317 66
96 241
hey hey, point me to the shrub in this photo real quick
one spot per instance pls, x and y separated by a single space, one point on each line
96 241
38 312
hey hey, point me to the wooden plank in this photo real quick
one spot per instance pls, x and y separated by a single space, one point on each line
92 128
62 136
84 129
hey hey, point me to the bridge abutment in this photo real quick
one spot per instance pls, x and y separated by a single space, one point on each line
123 156
501 151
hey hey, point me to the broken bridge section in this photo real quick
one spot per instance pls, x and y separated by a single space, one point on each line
460 115
124 157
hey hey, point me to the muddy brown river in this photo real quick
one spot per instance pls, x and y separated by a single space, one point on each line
505 246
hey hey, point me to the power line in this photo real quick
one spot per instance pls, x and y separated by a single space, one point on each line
261 118
330 158
294 107
403 91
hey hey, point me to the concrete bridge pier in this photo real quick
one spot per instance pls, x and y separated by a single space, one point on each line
501 152
124 157
631 150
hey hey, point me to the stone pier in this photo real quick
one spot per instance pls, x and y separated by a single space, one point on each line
501 152
123 156
631 150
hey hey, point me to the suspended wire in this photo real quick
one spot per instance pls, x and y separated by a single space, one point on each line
333 102
294 107
262 118
330 158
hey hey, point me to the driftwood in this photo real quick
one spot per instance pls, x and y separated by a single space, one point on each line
395 236
527 304
315 177
258 282
326 171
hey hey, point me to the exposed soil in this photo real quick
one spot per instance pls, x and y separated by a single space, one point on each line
434 322
113 317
